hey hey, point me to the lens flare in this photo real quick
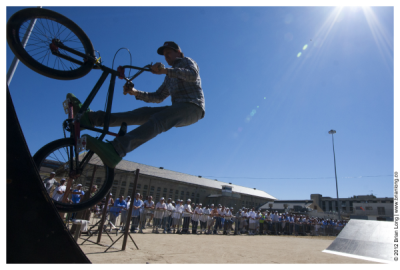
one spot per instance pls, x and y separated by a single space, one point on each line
305 47
299 54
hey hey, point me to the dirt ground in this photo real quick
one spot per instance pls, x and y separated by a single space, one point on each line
214 249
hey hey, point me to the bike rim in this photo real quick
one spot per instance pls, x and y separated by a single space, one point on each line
58 159
40 43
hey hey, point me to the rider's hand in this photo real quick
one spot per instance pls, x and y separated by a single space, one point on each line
158 68
129 90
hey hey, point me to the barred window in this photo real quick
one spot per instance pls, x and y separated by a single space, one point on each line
123 183
165 189
381 211
176 191
158 189
197 195
138 185
192 194
171 191
182 193
130 192
98 180
152 188
145 187
115 183
130 184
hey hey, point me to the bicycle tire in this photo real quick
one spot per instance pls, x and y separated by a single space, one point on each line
43 155
37 54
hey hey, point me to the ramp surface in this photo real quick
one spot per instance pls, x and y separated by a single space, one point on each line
365 239
35 230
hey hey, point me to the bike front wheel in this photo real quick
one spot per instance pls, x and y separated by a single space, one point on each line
39 53
56 157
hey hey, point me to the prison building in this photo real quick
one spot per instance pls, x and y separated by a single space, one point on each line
159 182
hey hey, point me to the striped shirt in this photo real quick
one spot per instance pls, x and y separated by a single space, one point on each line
182 83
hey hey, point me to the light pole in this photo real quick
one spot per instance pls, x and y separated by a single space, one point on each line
334 162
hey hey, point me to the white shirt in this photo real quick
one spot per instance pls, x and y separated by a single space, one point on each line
48 183
178 211
195 216
170 208
187 208
59 197
159 213
148 204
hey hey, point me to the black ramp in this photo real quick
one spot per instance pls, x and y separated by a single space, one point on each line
367 238
35 231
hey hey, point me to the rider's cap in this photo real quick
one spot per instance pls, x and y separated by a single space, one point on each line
189 200
52 173
63 179
168 44
79 185
162 199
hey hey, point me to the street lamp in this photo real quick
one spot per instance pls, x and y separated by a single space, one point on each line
334 162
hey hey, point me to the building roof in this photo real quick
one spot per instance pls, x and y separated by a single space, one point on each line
130 166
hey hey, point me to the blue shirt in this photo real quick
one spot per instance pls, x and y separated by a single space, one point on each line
117 203
137 203
76 198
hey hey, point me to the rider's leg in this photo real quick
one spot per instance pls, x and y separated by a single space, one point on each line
176 115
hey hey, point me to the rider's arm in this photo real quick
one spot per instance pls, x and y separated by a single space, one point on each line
156 97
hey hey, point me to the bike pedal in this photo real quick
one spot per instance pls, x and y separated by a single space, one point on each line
123 129
81 144
65 105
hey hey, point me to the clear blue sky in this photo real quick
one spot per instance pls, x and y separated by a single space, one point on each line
275 79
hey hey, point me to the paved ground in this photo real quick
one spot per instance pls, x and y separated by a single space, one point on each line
215 249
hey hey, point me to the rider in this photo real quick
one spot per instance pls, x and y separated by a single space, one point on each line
182 82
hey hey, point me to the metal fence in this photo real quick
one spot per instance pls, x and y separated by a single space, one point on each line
176 222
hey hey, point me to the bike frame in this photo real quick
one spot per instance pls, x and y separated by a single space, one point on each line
76 126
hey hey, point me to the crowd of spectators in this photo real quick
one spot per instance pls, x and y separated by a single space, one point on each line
167 216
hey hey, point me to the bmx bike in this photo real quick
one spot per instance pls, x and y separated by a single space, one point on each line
60 49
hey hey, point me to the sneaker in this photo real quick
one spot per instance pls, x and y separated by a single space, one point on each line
104 150
76 105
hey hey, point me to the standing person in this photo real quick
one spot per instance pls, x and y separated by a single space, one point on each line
210 219
182 82
49 182
59 191
77 194
137 205
238 217
243 220
252 221
159 214
124 212
215 216
177 215
195 218
203 218
262 223
148 209
187 212
119 204
228 221
167 220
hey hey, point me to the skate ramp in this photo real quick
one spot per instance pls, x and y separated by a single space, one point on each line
365 239
35 230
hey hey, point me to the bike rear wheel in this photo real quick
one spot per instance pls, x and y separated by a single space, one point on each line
56 156
37 54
